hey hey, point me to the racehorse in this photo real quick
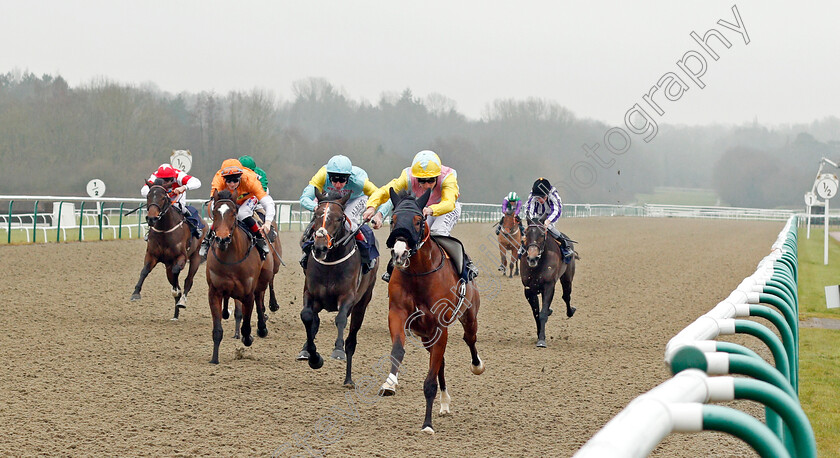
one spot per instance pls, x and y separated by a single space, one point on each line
423 300
509 242
540 273
170 242
235 270
334 282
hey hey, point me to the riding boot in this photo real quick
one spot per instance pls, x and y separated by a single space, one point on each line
261 243
499 226
305 257
364 251
470 270
205 244
386 277
568 251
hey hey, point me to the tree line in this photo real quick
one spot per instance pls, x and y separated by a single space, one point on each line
55 138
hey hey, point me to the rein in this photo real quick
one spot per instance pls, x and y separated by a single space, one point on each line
215 238
440 266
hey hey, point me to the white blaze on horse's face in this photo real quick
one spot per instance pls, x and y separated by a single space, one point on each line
223 209
400 253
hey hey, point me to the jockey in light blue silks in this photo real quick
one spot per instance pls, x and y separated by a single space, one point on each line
341 176
544 204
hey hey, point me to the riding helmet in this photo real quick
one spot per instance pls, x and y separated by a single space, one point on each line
541 188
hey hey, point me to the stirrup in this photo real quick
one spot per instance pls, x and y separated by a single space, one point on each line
386 277
205 246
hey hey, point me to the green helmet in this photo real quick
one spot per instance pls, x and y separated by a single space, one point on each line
513 197
247 161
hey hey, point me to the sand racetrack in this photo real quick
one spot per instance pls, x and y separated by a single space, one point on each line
87 372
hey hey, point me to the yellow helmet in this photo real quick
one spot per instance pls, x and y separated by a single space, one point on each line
426 164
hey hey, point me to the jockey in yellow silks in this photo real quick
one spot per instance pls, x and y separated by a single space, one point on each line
442 209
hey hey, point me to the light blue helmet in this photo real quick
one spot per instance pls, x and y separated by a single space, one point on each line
340 164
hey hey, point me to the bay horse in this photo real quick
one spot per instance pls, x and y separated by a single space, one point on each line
423 300
235 270
540 273
170 242
334 282
510 239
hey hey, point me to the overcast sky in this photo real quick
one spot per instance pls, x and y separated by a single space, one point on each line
597 58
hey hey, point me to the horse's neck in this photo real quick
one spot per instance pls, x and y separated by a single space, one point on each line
427 258
510 224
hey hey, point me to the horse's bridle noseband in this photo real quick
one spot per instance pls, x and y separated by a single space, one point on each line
535 244
342 241
163 209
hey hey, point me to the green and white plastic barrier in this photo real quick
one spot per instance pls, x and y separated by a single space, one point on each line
678 405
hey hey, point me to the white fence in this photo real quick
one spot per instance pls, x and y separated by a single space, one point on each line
85 217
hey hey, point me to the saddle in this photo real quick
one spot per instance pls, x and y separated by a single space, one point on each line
455 251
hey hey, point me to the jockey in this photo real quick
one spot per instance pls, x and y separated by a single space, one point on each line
341 176
511 200
178 182
544 203
442 210
248 163
245 185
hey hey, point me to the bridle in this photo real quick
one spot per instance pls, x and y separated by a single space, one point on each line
162 211
541 247
323 232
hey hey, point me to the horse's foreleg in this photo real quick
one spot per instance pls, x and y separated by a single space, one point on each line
216 312
356 319
310 319
148 264
259 298
172 276
396 324
195 261
515 256
247 310
567 295
534 302
344 307
547 298
445 399
237 318
503 256
430 386
272 303
469 320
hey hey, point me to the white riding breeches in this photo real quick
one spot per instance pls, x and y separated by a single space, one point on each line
443 224
247 208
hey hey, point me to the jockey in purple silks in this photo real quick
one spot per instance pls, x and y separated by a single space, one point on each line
510 200
544 204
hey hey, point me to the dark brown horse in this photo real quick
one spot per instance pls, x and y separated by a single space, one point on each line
423 301
509 242
543 267
235 270
170 242
334 282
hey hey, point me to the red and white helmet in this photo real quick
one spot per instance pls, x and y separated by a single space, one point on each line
166 171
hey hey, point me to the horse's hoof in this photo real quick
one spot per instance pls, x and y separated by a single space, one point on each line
317 362
429 430
303 356
225 314
541 344
550 311
273 306
262 332
339 355
477 370
570 312
349 384
135 297
247 340
174 318
214 361
385 391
